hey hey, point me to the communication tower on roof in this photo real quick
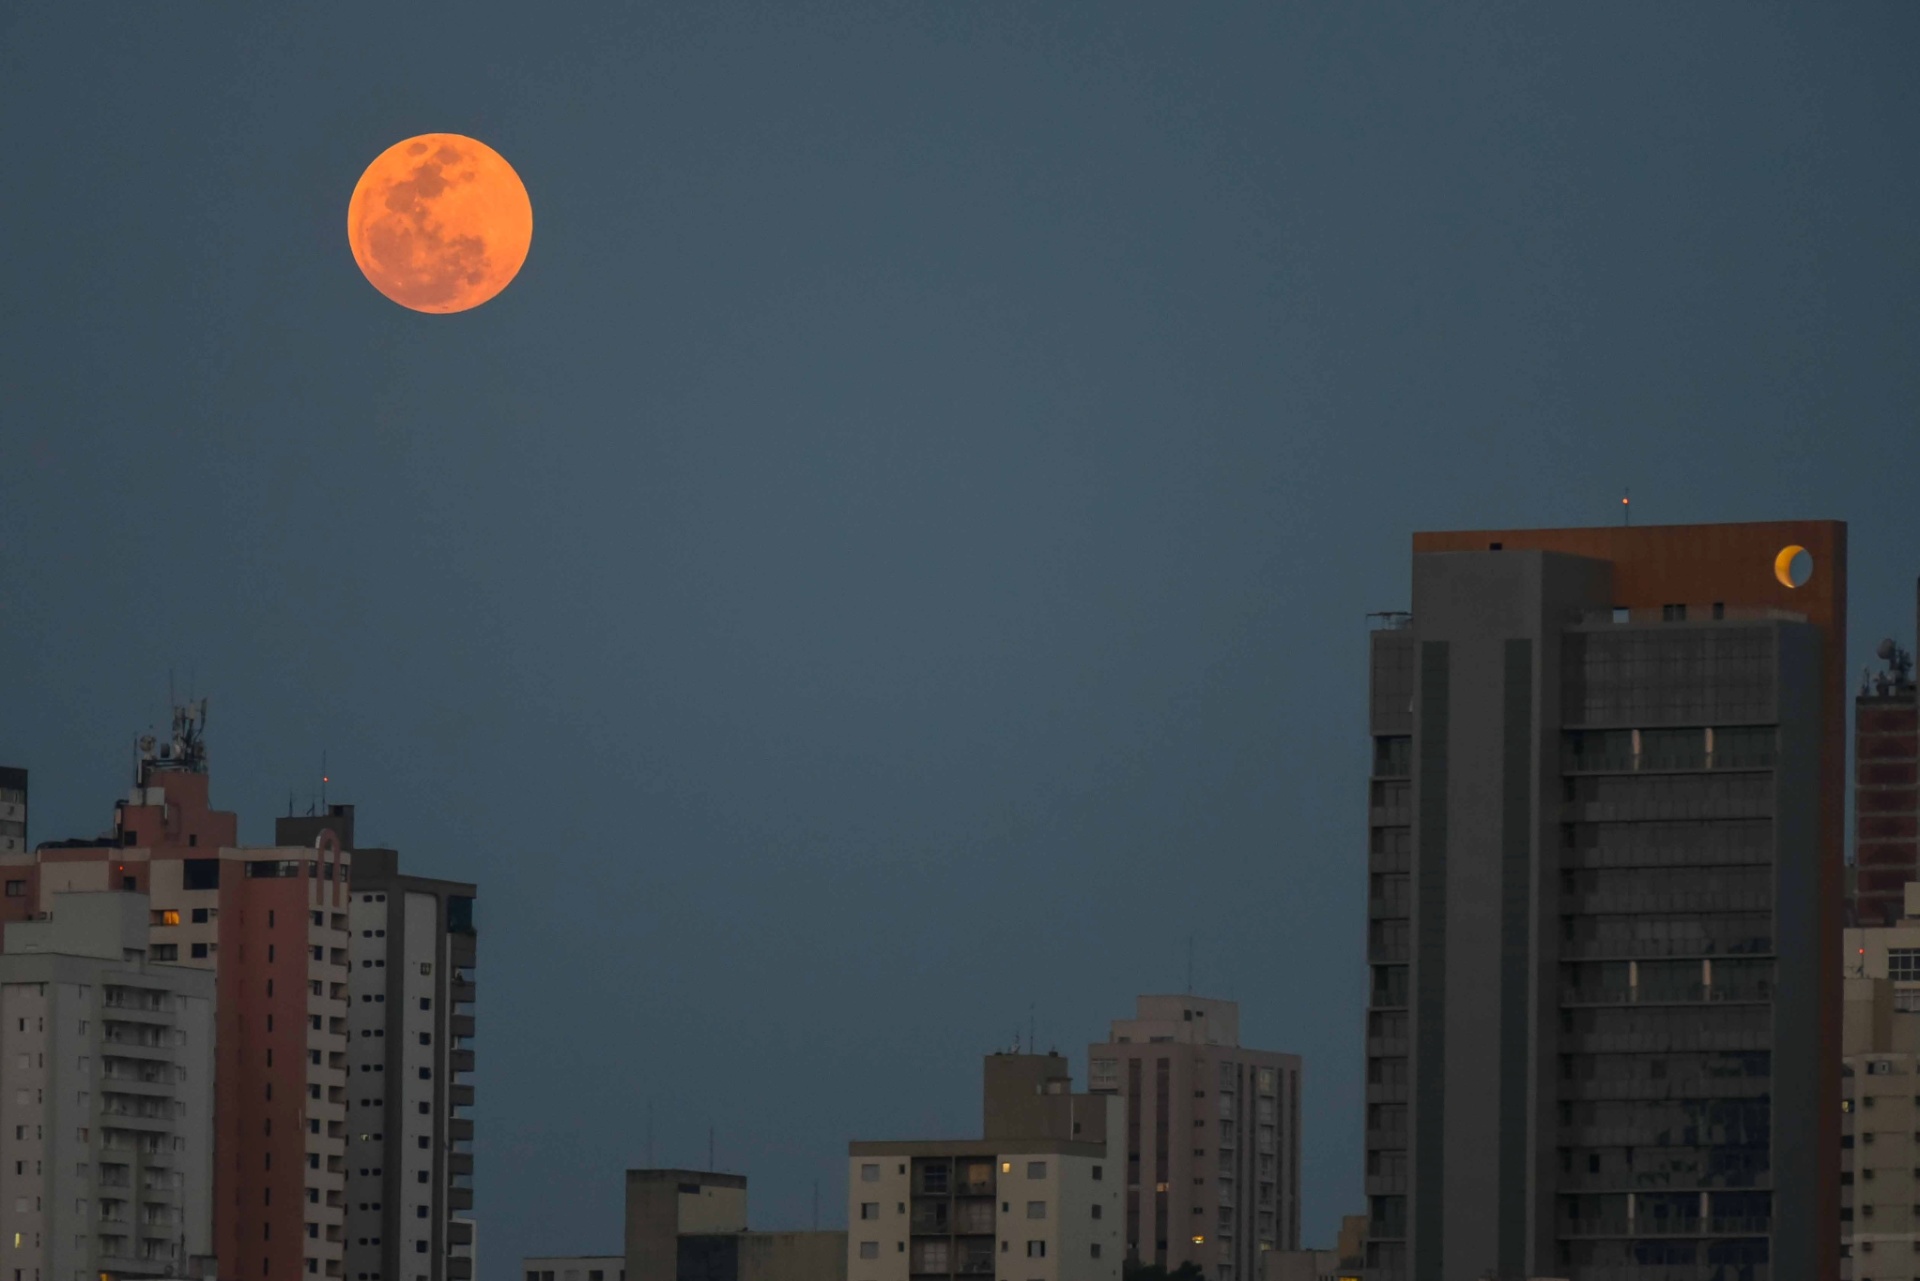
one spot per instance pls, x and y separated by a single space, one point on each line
184 752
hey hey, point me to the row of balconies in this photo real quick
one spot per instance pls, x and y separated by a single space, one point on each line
1680 1039
1665 949
1696 1087
1663 1227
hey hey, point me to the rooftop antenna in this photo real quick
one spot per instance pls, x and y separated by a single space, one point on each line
1626 507
323 780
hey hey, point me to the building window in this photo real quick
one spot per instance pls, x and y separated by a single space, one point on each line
1036 1249
869 1249
1096 1209
199 951
1903 964
1096 1249
870 1174
1036 1169
869 1209
1096 1174
16 889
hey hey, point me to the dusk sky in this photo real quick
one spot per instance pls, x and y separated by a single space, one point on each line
894 564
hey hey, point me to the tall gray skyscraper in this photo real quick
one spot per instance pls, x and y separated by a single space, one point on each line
1605 891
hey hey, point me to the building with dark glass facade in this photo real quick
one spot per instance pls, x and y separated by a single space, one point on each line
1605 881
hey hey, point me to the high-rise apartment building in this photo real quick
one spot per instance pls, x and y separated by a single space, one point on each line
1880 1099
1886 789
1036 1198
1605 894
1212 1138
13 815
272 926
410 1062
106 1099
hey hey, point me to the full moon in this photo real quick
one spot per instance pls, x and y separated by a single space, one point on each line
440 223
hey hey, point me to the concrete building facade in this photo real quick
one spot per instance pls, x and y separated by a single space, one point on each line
13 817
1886 789
691 1225
1605 826
1880 1100
106 1099
1037 1198
271 925
574 1267
410 1063
1212 1172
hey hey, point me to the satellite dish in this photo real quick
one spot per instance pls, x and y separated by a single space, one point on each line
1886 650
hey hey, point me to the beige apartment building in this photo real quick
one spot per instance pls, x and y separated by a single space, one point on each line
1036 1198
106 1099
691 1225
574 1267
1212 1173
1880 1081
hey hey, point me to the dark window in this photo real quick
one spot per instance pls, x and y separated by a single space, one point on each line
273 868
200 874
200 950
426 1074
130 883
459 914
16 889
199 916
426 1038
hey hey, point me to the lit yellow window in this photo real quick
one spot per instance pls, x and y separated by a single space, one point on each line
1199 1240
169 917
1006 1167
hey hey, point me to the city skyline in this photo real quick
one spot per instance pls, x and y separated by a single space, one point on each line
927 480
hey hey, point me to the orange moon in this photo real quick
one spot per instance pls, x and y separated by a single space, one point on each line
440 223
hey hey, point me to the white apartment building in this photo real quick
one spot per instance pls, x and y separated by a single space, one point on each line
1038 1210
1037 1199
106 1099
410 1059
575 1267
